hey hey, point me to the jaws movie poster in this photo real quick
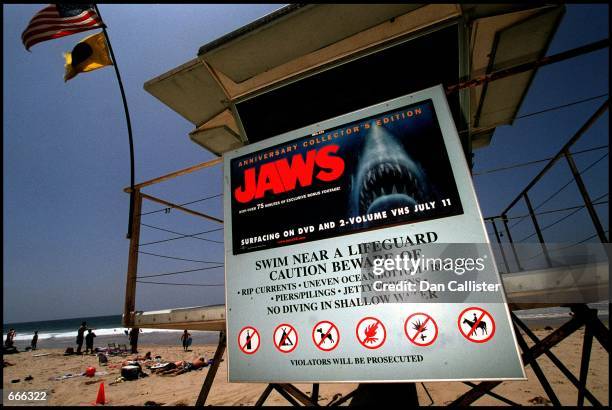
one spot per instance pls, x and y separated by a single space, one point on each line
382 170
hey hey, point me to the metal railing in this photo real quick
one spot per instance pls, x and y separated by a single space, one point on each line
509 249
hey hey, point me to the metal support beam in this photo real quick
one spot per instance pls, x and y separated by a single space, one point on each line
495 395
342 399
566 372
509 236
314 396
585 197
371 393
534 219
592 119
212 371
471 396
601 333
298 394
264 396
428 395
553 339
291 393
501 248
537 370
283 393
132 269
584 362
529 356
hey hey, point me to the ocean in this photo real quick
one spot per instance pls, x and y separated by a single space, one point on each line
63 329
67 328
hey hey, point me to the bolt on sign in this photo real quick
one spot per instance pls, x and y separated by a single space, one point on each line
356 252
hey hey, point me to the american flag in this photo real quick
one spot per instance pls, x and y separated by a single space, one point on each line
59 20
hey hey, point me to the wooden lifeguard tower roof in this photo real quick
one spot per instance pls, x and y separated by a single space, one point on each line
275 66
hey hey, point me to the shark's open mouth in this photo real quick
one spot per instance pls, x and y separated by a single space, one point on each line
389 183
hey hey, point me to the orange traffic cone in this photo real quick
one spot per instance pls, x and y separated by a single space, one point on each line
101 399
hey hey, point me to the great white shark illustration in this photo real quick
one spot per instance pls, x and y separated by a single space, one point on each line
386 176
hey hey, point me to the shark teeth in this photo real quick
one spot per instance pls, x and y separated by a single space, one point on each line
385 179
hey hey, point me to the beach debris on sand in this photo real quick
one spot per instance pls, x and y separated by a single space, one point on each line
66 376
118 380
539 400
102 359
9 350
152 403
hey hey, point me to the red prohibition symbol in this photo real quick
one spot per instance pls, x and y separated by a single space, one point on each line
285 338
476 324
325 335
249 340
371 333
421 329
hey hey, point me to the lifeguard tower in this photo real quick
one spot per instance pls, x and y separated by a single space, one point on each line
306 63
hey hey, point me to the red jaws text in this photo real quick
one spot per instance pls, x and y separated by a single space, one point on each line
279 177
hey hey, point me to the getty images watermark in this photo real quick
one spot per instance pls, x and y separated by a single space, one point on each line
420 264
432 272
470 273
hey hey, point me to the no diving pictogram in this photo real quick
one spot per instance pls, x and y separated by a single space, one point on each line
325 335
421 329
476 325
249 340
371 332
285 338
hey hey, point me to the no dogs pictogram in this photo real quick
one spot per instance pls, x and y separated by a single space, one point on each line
325 335
249 340
476 325
285 338
421 329
371 333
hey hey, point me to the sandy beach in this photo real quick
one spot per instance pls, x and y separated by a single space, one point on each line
183 389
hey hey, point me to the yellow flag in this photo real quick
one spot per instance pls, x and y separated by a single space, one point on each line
89 54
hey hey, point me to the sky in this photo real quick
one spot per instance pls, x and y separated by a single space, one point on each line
66 158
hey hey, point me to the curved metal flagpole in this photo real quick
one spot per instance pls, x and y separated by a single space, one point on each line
129 124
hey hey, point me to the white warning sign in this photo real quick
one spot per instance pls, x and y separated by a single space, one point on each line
355 250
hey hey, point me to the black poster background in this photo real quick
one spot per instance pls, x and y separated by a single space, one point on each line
401 150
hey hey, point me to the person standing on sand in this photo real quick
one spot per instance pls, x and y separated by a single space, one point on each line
89 341
134 339
185 339
10 338
34 340
81 337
